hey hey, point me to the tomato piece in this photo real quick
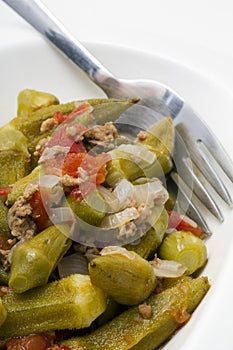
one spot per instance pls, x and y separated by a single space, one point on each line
38 203
71 164
76 194
54 166
183 223
4 191
78 147
93 166
61 118
62 137
95 172
80 109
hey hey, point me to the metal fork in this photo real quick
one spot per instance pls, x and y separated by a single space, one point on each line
196 148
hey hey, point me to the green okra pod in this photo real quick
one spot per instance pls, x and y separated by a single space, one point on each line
33 261
72 302
14 155
4 227
185 248
150 155
86 211
21 184
123 274
133 330
159 139
3 313
104 110
31 100
14 166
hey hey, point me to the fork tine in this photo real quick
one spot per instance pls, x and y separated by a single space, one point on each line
218 154
212 175
187 202
185 168
202 160
200 190
199 131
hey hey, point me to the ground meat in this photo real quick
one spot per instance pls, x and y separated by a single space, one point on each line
19 219
41 146
48 124
102 135
142 136
145 311
70 181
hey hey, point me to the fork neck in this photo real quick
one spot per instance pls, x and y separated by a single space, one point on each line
35 13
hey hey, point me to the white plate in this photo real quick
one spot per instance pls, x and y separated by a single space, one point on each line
36 65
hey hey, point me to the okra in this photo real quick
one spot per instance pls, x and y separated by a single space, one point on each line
14 155
160 140
4 227
14 166
33 261
31 100
185 248
72 302
92 214
124 275
104 110
3 313
21 185
130 330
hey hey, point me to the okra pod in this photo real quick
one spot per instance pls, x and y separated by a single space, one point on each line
31 100
72 302
3 313
4 227
92 214
160 140
20 185
14 155
135 331
104 110
33 261
124 275
185 248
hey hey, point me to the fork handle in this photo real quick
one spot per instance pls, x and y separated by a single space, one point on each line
35 13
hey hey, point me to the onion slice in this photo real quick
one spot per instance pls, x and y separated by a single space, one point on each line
73 264
167 268
116 250
141 155
151 193
119 219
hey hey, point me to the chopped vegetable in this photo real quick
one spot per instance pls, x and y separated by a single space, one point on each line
185 248
92 217
34 260
72 302
183 223
123 275
170 310
32 100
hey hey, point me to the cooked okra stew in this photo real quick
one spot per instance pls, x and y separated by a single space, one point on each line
93 254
